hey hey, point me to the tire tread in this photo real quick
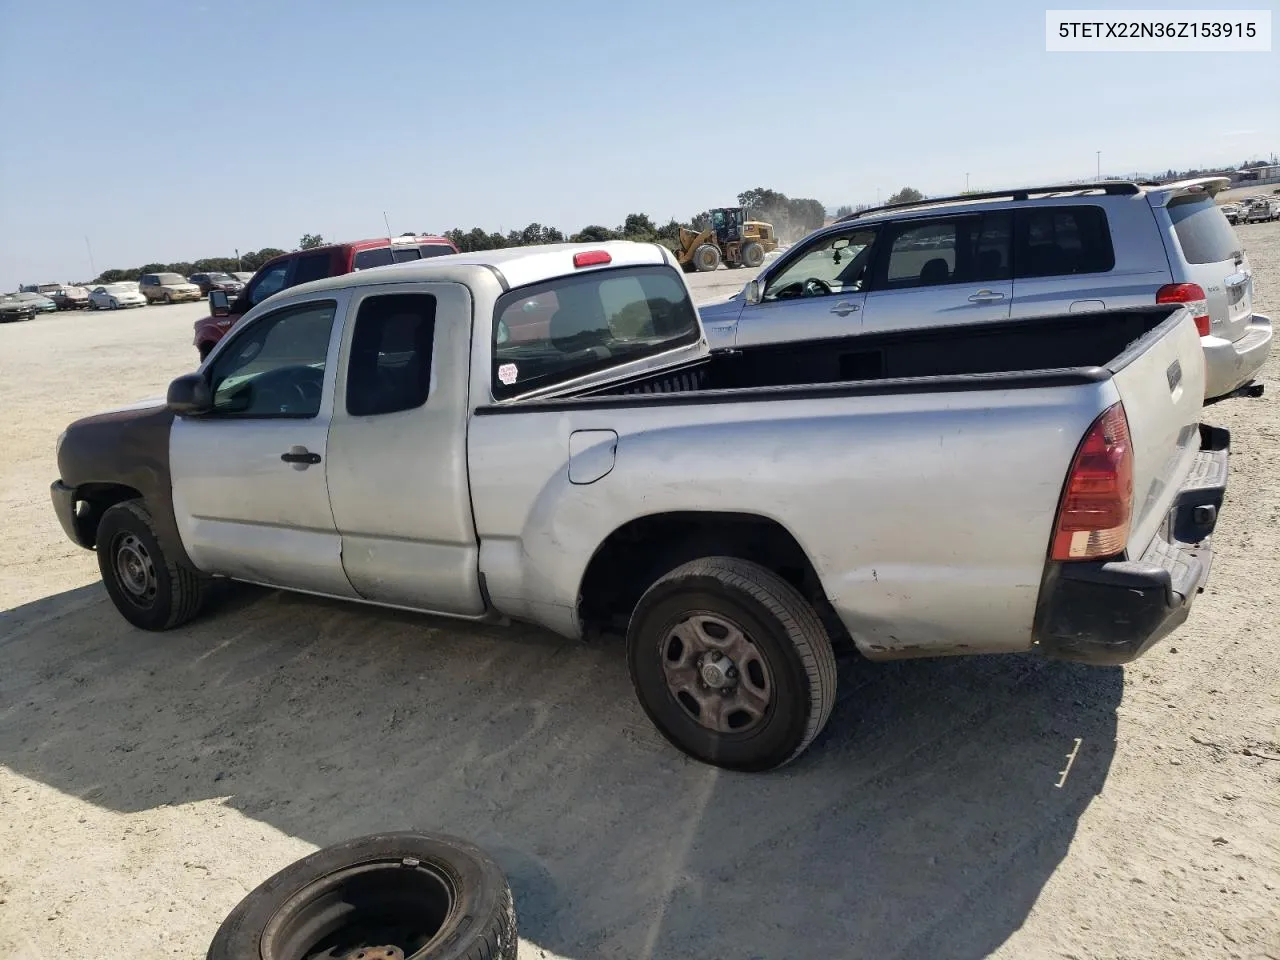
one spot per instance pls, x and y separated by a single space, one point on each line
188 586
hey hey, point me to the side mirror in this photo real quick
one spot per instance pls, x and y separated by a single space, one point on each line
753 292
219 303
189 396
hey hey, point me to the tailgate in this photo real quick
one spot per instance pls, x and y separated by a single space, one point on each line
1160 379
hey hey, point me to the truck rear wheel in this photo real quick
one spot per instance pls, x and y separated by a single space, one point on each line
707 257
205 349
752 255
731 664
150 590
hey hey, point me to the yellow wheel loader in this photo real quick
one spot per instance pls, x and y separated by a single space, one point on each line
731 239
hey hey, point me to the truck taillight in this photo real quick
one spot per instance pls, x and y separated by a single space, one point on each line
1093 517
1193 296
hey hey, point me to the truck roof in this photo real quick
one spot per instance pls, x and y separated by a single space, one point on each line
515 266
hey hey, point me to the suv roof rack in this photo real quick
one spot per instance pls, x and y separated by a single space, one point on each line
1110 187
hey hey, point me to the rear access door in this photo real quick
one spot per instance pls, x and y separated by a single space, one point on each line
1204 249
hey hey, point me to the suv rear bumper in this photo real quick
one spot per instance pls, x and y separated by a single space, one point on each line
1228 365
1112 612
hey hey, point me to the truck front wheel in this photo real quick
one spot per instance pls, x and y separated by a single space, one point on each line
731 664
150 590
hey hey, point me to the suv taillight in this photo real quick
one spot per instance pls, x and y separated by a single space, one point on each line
1191 294
1093 517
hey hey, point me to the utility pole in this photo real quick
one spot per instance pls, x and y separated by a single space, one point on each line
966 183
239 265
1099 153
92 268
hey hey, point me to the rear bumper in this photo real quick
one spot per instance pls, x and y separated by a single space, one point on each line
1228 365
1112 612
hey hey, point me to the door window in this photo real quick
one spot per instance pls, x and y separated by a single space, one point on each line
836 263
275 368
1061 241
269 282
964 249
390 365
314 266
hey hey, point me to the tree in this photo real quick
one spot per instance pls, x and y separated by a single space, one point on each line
638 226
905 195
594 233
843 210
310 241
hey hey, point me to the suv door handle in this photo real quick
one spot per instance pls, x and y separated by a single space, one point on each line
845 308
300 455
986 296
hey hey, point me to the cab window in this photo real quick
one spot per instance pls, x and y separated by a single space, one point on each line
275 367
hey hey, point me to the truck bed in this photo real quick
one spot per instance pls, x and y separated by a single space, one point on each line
1042 351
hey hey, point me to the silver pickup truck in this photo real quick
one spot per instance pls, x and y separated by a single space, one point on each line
543 435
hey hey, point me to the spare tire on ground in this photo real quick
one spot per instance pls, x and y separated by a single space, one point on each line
389 896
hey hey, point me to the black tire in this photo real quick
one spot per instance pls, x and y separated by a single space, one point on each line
162 593
786 634
389 889
688 266
205 349
752 255
707 257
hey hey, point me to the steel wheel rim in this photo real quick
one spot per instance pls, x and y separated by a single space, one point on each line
135 570
715 673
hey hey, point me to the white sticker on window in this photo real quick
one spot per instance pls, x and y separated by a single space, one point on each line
508 374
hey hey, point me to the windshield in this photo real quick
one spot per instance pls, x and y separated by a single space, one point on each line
1203 232
171 278
220 278
550 333
119 288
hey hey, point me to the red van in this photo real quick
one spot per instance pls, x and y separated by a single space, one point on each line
303 266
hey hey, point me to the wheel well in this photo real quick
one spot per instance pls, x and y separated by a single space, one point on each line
95 499
638 553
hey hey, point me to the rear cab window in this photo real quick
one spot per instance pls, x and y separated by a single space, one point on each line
1203 232
550 333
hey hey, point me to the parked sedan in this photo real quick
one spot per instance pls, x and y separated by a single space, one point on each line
70 298
11 308
39 302
116 296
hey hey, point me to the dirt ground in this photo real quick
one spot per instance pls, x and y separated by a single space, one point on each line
147 781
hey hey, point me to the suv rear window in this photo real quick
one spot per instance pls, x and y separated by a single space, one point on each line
1060 241
549 333
1203 232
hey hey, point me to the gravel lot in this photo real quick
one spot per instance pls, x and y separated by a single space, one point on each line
148 781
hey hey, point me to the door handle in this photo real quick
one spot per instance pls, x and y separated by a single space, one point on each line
986 296
845 308
300 455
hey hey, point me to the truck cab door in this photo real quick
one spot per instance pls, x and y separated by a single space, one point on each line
397 464
249 491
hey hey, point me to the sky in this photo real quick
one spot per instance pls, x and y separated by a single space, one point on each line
167 131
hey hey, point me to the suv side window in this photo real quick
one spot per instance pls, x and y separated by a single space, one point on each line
835 263
389 368
269 282
944 250
312 266
275 368
149 280
1061 241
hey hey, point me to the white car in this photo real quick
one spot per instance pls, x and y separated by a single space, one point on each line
116 296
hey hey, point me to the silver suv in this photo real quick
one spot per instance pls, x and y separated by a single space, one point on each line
1012 254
